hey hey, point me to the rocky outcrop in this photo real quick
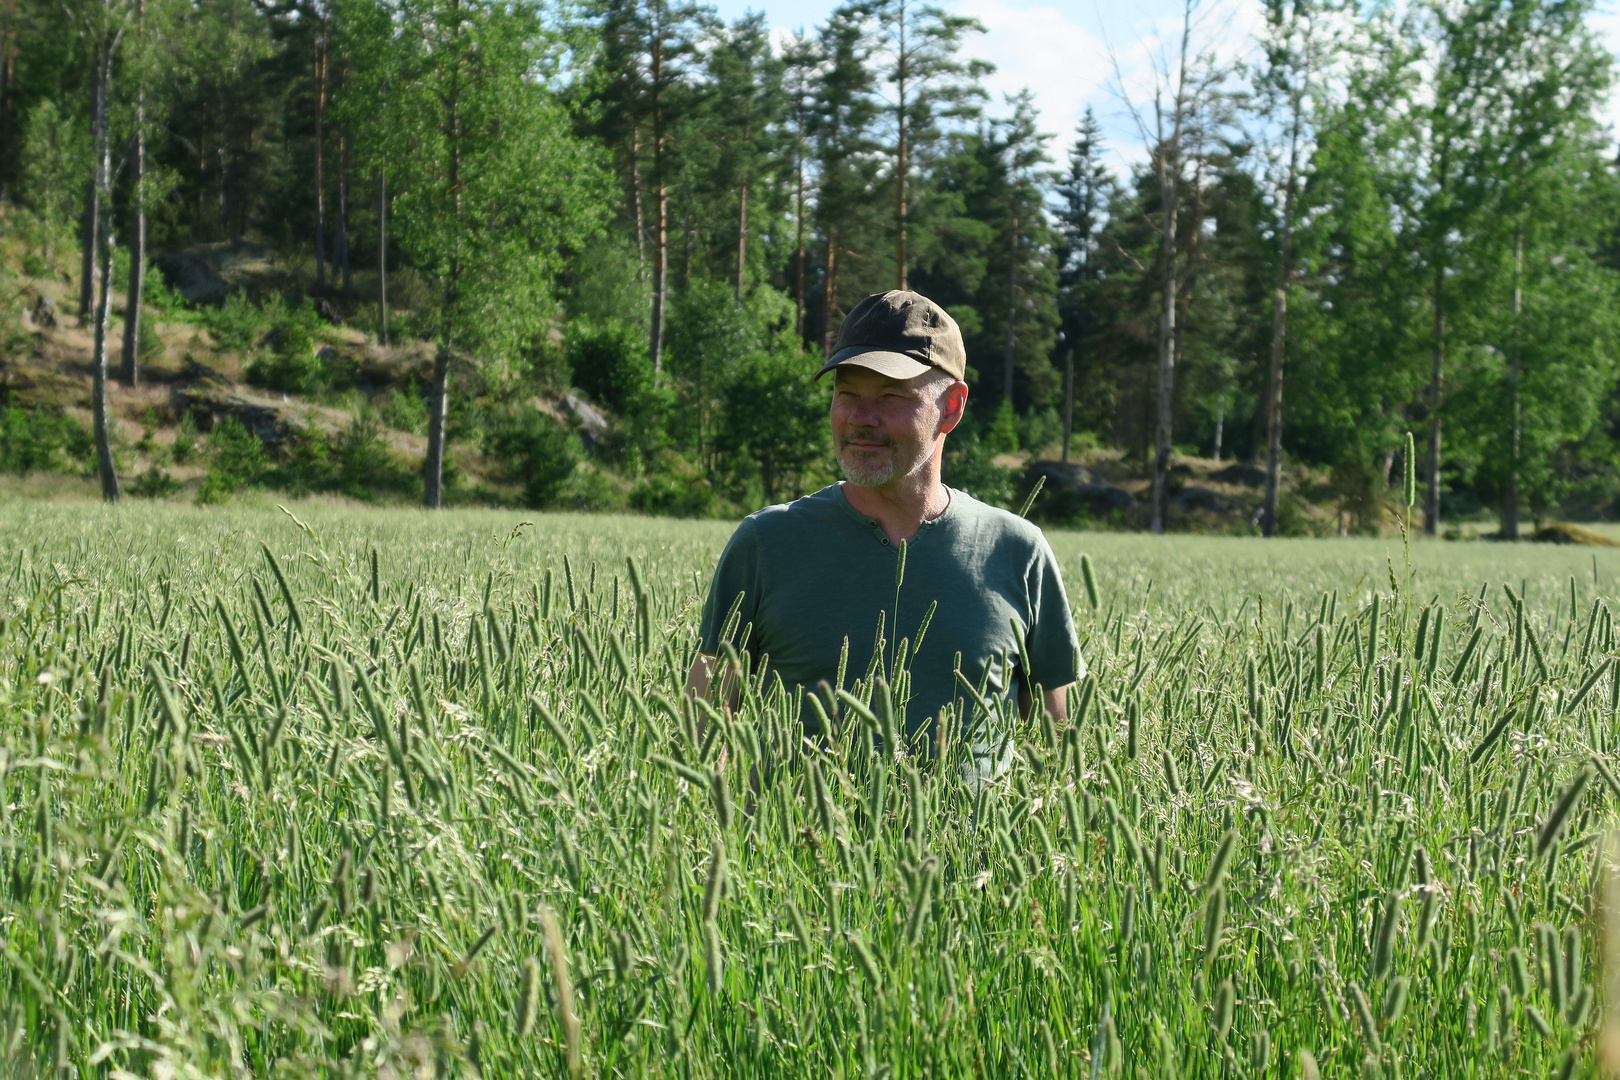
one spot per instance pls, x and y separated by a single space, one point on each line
208 273
1074 491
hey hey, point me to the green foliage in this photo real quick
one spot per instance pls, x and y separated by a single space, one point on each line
236 325
534 450
403 408
775 419
970 465
236 459
1002 436
55 162
609 363
41 440
154 483
287 359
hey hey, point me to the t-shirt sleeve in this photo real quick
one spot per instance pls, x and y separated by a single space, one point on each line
737 574
1054 649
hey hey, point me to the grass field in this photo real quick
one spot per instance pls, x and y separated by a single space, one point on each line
399 794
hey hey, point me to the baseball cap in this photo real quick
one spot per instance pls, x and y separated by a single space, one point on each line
899 334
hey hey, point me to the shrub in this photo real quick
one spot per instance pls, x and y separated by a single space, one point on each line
235 325
610 364
970 465
288 361
236 459
154 483
41 440
185 439
534 450
362 460
404 409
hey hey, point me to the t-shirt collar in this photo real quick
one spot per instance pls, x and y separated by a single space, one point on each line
952 497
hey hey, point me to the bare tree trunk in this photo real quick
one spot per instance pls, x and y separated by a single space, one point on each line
137 251
635 197
1510 497
1168 172
320 158
1431 499
343 214
798 292
829 294
382 256
8 67
742 238
1068 400
100 420
439 398
1220 424
1274 389
92 205
660 277
900 164
438 413
655 347
1012 314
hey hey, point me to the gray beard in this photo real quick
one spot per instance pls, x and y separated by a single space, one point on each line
872 476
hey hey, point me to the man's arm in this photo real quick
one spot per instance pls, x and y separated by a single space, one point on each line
699 675
1056 703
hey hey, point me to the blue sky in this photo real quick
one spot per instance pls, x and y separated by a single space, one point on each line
1062 49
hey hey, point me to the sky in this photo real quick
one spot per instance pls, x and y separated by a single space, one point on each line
1097 53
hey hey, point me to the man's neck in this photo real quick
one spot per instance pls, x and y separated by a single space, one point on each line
901 506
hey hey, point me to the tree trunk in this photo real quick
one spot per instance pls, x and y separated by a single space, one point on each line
655 348
438 413
343 215
8 66
829 294
1169 171
1274 389
900 163
320 158
1431 499
1012 314
1510 497
798 314
137 250
101 421
92 204
1068 400
382 256
1220 424
742 238
635 198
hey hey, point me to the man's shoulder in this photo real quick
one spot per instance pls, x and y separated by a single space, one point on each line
782 521
993 524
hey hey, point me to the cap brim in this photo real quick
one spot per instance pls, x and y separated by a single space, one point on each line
894 365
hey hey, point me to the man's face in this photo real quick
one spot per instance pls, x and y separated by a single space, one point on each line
886 428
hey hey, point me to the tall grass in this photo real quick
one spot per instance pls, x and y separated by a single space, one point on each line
419 795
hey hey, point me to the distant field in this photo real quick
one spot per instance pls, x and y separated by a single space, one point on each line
411 794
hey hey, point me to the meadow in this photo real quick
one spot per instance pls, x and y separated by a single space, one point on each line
352 793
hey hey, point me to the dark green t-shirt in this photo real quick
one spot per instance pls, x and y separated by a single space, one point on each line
815 572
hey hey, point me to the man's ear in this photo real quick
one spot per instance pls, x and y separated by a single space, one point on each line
953 407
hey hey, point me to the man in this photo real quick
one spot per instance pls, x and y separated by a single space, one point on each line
815 579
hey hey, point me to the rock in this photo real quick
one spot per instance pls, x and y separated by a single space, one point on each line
208 273
1197 498
1074 491
1563 533
573 411
1241 474
43 313
328 311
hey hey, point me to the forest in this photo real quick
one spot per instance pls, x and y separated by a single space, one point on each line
1379 221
